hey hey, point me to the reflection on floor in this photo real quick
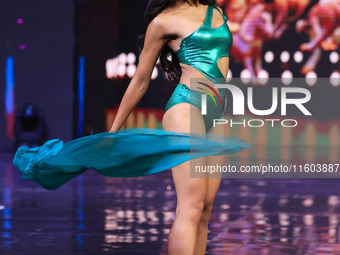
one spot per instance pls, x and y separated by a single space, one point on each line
97 215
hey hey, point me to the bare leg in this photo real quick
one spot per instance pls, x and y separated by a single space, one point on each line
190 191
212 185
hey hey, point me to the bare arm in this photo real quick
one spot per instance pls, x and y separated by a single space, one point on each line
155 39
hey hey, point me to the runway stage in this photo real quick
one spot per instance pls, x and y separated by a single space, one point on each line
95 215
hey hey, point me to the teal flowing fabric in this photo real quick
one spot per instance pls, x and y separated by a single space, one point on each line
124 153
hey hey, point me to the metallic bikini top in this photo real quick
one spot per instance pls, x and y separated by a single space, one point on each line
206 45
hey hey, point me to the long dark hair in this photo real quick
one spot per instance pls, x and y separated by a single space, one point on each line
168 59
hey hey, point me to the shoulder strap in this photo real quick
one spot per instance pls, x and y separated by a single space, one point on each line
208 17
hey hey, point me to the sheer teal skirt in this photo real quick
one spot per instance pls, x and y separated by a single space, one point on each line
125 153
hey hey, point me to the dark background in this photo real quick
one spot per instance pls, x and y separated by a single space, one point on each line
44 71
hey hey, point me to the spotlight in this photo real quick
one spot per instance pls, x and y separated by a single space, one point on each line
122 58
285 56
122 70
335 79
154 73
22 47
298 57
311 78
131 58
334 57
29 127
131 70
262 77
229 76
287 77
245 76
269 56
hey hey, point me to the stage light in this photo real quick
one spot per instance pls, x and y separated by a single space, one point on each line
107 64
269 56
131 70
308 202
225 206
131 58
260 183
229 76
154 73
111 68
311 78
334 57
122 58
308 219
22 47
287 77
29 126
115 67
285 56
20 21
335 79
122 70
333 200
245 76
298 57
116 63
283 201
108 68
263 77
115 74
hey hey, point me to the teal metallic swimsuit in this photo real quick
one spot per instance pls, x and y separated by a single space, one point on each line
202 49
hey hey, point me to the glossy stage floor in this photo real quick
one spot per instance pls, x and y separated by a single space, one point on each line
95 215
